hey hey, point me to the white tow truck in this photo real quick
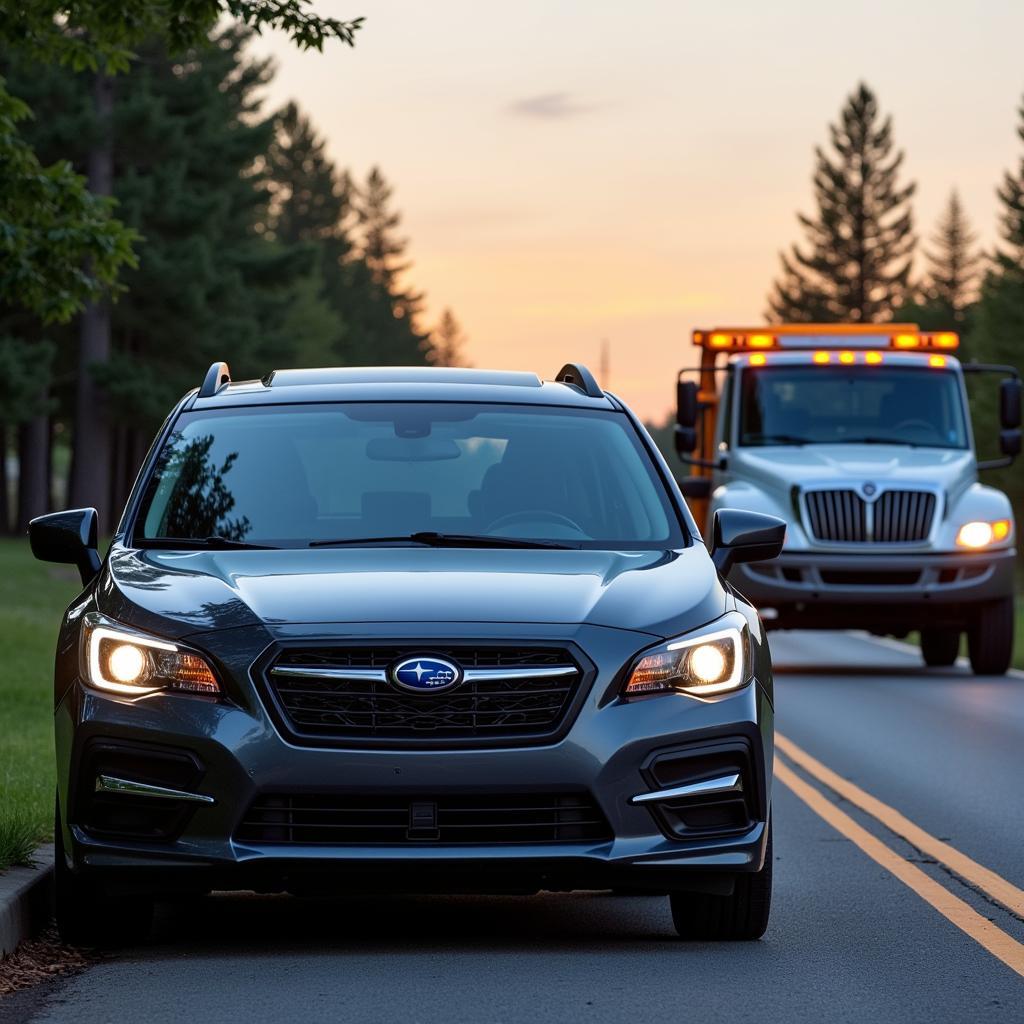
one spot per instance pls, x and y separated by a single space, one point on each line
860 437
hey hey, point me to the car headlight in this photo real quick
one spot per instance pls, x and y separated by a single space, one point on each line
708 661
127 662
980 534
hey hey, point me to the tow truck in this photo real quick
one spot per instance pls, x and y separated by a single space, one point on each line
859 436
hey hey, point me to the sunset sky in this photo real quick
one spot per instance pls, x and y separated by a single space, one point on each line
572 171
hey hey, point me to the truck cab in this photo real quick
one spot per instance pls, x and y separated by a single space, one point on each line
860 437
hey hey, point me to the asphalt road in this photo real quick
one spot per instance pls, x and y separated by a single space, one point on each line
865 927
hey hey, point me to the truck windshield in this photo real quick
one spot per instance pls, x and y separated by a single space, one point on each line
793 405
458 474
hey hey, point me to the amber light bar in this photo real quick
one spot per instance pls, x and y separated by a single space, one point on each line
905 337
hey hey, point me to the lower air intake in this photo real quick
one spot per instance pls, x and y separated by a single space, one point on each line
345 820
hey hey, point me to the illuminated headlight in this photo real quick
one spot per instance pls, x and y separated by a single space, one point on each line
981 534
710 661
136 664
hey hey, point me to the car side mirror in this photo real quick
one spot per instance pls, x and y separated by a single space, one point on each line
741 536
1009 442
1009 406
68 537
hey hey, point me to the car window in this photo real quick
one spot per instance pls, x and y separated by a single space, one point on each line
294 474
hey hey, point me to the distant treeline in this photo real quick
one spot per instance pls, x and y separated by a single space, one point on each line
253 247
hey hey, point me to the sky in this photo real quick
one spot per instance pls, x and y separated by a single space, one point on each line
570 172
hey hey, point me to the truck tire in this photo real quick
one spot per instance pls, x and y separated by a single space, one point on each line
939 647
990 638
85 915
703 917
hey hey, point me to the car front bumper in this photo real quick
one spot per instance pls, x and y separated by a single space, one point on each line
239 754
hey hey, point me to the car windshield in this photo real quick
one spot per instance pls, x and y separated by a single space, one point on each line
291 476
793 405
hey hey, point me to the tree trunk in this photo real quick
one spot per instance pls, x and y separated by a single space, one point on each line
33 469
90 466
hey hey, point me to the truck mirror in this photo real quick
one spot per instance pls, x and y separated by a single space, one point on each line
687 407
1009 442
1009 405
741 536
695 487
69 537
685 439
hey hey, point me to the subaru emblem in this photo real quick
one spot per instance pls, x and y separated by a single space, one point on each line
426 674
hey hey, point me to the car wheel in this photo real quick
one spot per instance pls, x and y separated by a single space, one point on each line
86 916
990 639
939 647
743 915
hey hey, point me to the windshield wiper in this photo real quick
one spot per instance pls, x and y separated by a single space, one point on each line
216 542
430 538
877 440
754 440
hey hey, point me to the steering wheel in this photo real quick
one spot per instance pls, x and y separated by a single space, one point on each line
911 424
533 514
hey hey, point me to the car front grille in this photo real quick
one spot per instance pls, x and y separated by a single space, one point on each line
896 517
346 694
344 820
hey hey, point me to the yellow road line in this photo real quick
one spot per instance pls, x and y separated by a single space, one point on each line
988 881
1002 946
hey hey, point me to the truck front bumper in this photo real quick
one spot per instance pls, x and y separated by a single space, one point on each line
854 590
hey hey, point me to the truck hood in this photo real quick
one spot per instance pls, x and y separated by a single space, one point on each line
952 470
178 593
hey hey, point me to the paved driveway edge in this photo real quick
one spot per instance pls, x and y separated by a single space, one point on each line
26 900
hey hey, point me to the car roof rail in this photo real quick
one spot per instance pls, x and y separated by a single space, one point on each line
216 377
578 376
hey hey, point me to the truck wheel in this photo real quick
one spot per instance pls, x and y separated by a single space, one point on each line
990 639
85 915
701 916
939 647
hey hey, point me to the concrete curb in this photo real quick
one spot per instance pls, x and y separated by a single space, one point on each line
26 900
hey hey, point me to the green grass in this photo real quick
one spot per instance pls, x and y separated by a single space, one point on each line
33 596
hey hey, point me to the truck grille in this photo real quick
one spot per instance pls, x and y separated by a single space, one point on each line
896 517
903 515
837 515
344 820
508 692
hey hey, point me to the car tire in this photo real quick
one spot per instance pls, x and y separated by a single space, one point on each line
87 916
700 916
990 638
939 647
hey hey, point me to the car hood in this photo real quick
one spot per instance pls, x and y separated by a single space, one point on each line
178 593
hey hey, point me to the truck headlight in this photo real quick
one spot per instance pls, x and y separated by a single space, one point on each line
980 534
710 660
134 663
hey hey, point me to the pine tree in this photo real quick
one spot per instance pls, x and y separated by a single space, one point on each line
309 199
860 242
954 263
998 334
384 328
446 344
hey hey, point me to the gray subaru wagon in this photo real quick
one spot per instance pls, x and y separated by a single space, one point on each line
410 630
